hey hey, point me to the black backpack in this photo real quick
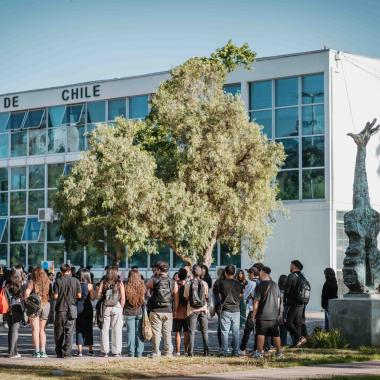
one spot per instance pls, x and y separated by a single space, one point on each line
33 304
303 289
197 296
162 293
182 300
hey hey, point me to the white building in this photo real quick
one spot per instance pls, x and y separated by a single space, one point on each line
308 101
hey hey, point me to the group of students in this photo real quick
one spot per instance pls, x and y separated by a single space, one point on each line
182 304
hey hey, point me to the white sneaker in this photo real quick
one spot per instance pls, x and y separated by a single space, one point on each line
258 355
177 354
279 355
17 356
243 353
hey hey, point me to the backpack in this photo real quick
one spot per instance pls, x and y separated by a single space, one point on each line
17 305
197 295
162 293
111 296
303 290
33 304
182 300
4 304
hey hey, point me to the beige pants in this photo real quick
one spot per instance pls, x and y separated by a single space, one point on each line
113 318
162 325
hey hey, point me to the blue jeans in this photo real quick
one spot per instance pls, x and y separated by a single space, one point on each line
327 320
230 321
135 340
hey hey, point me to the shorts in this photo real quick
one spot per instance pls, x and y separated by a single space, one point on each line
267 328
180 325
44 312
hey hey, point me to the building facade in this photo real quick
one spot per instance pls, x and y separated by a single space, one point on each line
307 101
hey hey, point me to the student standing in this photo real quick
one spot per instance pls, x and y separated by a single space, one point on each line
196 292
282 318
111 292
14 289
230 293
40 285
206 276
67 290
84 321
329 292
240 276
133 310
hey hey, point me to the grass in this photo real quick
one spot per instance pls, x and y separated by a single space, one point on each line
102 369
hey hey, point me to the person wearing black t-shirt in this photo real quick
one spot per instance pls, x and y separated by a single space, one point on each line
266 310
230 293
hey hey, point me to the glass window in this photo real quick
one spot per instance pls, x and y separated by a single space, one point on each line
342 241
4 204
16 120
214 256
263 118
3 224
260 95
55 252
96 112
74 115
313 184
138 107
233 89
4 145
18 178
3 179
5 235
18 254
162 255
95 256
313 120
18 202
35 254
313 151
112 251
19 144
286 92
226 257
68 168
4 117
139 259
35 119
16 228
37 142
313 89
55 116
53 233
291 151
4 254
57 140
36 176
55 171
177 261
32 229
36 201
116 107
288 182
51 197
75 256
75 139
286 122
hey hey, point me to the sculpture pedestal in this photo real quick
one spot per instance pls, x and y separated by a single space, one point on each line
358 318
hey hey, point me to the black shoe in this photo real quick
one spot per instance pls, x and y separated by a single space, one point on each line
206 352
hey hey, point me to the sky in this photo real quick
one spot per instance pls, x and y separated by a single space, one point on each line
47 43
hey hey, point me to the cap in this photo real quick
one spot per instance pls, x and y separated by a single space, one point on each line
253 270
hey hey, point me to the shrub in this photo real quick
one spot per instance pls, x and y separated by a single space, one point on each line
326 339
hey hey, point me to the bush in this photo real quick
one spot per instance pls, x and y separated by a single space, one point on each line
326 339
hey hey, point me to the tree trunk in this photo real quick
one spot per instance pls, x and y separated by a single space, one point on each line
207 255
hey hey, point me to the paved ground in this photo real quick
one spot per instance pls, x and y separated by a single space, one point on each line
26 349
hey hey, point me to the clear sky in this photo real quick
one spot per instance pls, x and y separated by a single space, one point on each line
54 42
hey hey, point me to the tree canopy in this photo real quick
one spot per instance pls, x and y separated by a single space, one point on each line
194 172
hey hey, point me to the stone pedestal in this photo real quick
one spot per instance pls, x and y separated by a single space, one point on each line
358 318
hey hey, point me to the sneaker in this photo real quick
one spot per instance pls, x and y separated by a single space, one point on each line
6 325
258 355
43 355
279 355
105 355
116 355
36 355
90 353
177 354
301 341
79 354
154 355
17 356
243 353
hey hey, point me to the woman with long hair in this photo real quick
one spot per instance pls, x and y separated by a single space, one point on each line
40 285
240 276
206 276
329 291
133 311
14 285
85 313
112 295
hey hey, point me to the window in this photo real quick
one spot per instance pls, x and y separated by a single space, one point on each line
313 152
263 118
16 228
35 254
233 88
291 150
313 120
138 107
116 108
3 179
18 202
139 259
57 140
35 119
4 204
260 95
55 171
18 254
342 240
19 145
162 255
96 112
313 89
313 184
287 122
4 145
288 182
37 142
74 115
53 233
4 117
3 224
75 139
76 256
55 252
16 120
55 116
95 256
4 254
226 257
36 176
177 261
36 200
32 230
286 92
18 178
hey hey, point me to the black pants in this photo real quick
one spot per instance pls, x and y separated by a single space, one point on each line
219 333
14 321
192 320
63 333
294 321
248 329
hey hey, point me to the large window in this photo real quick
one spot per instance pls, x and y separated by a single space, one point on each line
342 240
138 107
291 110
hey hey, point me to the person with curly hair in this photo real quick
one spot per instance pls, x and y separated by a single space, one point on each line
40 285
133 311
